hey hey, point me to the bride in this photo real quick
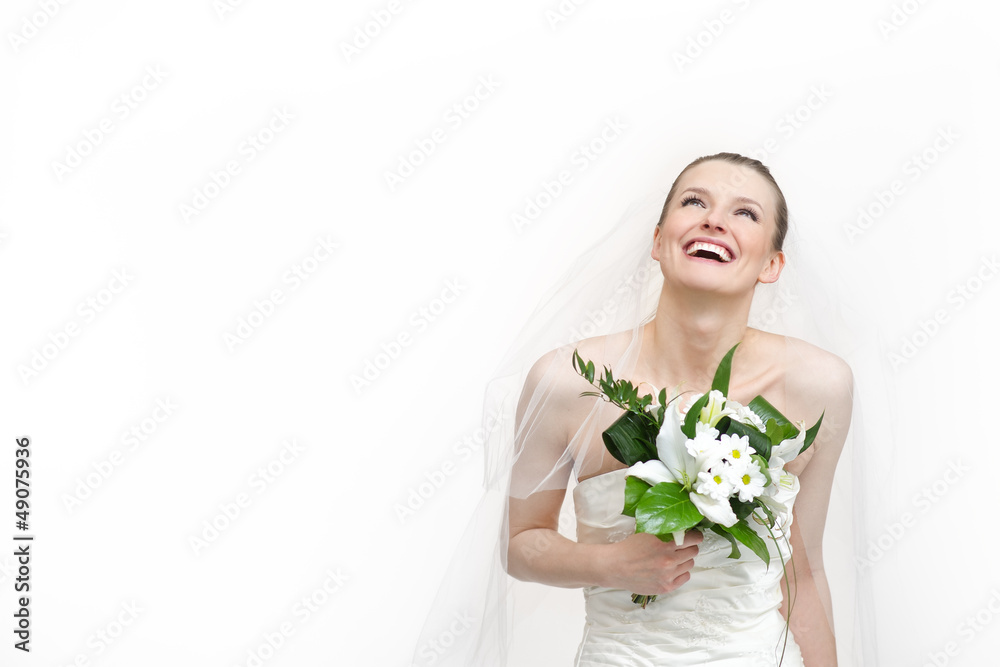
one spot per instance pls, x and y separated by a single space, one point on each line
720 234
659 301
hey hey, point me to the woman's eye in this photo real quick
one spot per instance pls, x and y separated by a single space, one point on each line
685 202
752 215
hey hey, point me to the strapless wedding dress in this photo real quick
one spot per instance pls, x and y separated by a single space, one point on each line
725 615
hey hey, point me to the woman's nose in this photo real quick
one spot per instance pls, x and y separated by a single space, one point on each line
713 221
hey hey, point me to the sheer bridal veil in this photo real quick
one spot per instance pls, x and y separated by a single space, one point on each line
481 616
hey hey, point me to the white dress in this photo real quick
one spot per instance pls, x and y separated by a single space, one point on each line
726 614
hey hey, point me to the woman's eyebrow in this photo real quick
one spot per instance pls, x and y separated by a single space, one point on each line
741 198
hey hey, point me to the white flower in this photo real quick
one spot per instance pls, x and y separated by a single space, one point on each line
714 410
787 450
749 482
716 511
781 491
703 442
671 448
715 484
701 428
737 450
652 472
745 415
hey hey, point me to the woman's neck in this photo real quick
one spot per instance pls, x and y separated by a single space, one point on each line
691 333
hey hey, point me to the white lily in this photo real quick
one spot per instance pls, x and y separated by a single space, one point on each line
781 491
784 485
652 472
787 450
716 408
717 511
671 448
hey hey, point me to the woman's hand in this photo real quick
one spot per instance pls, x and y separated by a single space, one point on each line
645 565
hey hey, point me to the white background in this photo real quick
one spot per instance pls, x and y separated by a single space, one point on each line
864 101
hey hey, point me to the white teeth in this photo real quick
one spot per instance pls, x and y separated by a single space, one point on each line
710 247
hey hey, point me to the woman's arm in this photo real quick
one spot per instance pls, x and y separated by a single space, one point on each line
812 611
811 619
641 563
536 550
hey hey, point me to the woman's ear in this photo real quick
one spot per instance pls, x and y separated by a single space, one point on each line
655 254
772 269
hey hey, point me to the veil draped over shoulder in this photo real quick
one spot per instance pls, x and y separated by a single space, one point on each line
610 292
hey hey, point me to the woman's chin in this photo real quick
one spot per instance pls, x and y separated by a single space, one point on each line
709 284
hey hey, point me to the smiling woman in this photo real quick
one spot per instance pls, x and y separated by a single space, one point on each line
717 237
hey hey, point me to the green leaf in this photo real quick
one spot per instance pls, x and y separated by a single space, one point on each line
746 535
666 508
762 462
721 380
635 489
741 509
759 441
584 368
631 438
811 433
767 411
692 416
735 553
777 433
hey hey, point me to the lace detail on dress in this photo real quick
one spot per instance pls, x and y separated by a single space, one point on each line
618 535
705 626
760 659
761 585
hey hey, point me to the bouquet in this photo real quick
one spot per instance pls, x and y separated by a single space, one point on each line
715 467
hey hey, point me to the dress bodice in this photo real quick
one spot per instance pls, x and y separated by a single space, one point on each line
725 614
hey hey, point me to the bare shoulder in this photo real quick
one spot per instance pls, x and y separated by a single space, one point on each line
817 382
817 372
556 373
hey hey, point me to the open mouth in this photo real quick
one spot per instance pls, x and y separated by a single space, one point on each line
711 251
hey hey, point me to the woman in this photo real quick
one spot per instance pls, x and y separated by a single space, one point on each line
719 236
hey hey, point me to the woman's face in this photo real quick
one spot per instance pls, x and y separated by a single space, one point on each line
718 230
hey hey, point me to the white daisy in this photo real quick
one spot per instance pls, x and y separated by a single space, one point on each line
749 482
715 484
